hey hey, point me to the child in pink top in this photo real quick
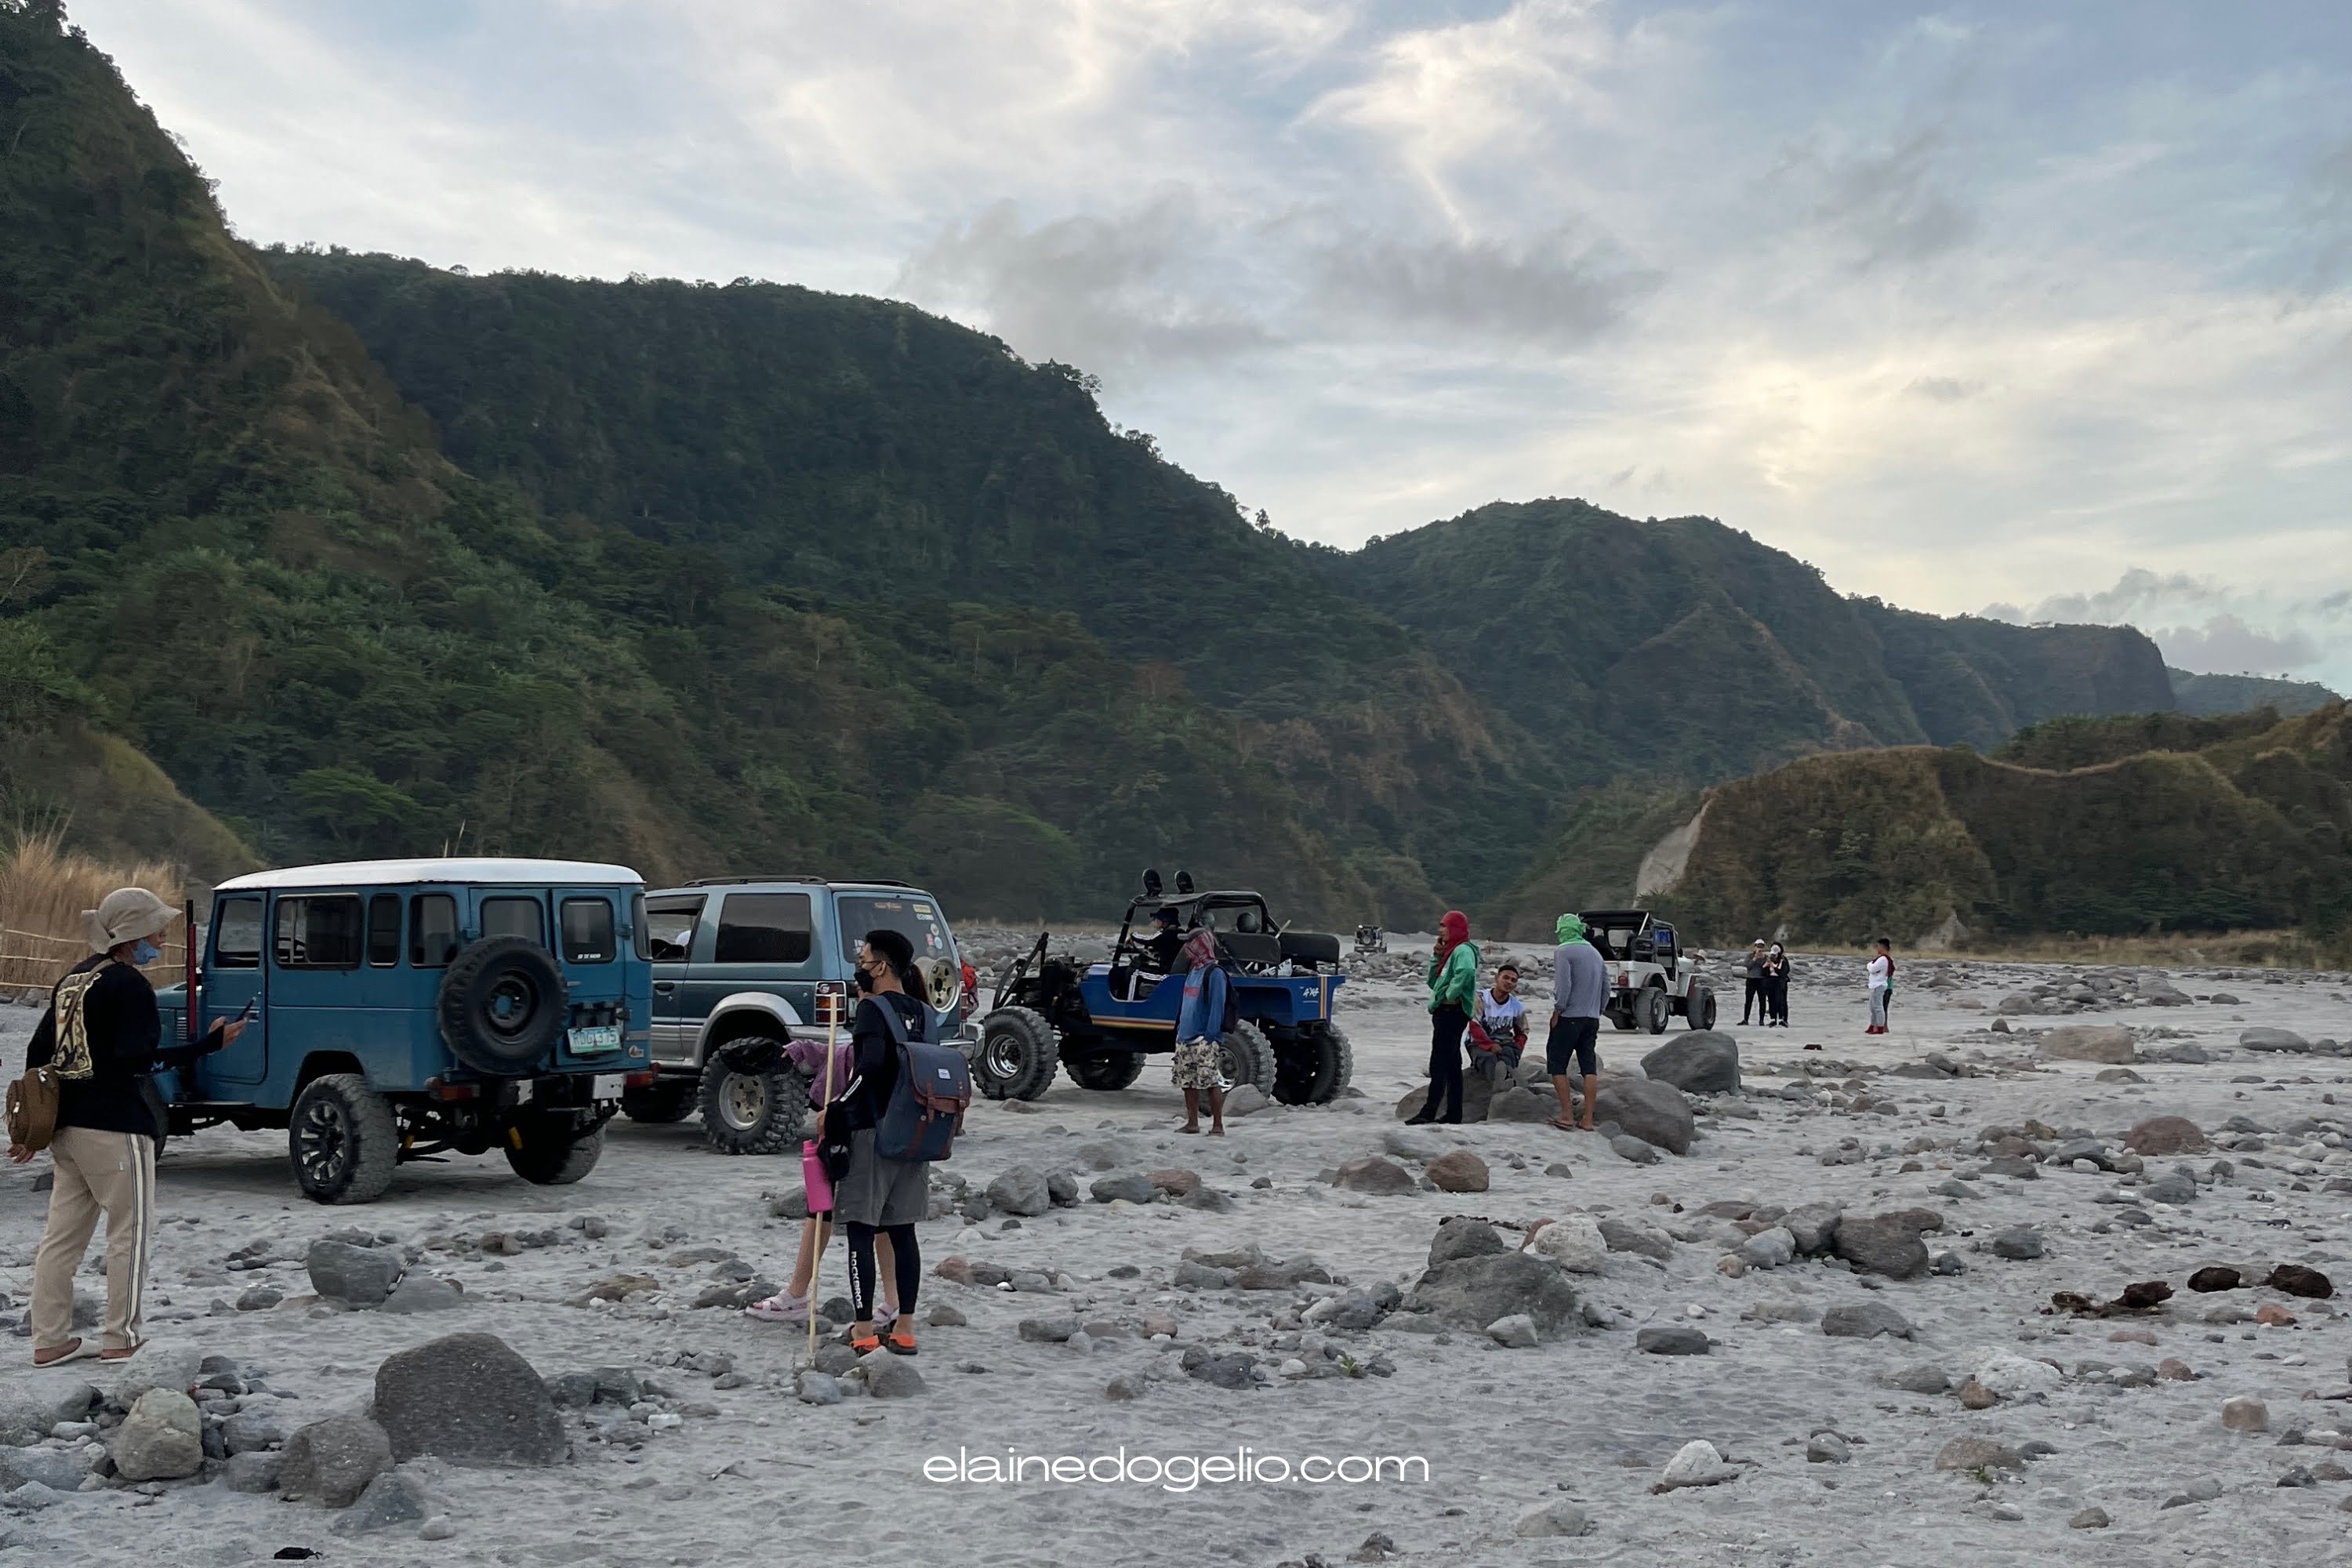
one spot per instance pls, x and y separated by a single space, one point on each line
790 1305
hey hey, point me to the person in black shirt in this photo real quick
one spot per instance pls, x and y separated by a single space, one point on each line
878 1195
104 1037
1164 942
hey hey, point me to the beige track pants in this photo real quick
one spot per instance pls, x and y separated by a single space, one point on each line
111 1173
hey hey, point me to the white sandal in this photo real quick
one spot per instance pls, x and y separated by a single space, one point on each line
783 1307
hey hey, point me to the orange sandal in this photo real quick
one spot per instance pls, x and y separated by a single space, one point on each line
900 1343
865 1346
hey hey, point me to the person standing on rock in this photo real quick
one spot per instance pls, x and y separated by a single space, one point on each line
1453 993
1776 988
1580 988
1756 999
878 1197
1199 1065
1882 985
105 1039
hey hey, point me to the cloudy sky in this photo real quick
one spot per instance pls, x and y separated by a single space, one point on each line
1999 304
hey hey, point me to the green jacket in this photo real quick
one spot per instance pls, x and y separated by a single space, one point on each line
1458 983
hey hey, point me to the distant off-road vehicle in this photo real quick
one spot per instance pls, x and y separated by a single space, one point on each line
1371 938
1651 978
400 1009
741 965
1101 1020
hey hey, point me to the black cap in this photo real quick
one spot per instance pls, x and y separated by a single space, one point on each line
1165 916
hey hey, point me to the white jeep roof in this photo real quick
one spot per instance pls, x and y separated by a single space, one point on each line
485 868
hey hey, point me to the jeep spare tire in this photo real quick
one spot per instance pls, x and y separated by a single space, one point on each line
502 1004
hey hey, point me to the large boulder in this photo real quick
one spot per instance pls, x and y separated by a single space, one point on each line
1884 1243
330 1462
357 1275
2089 1043
470 1399
1703 1061
2161 1135
2262 1038
1472 1292
1656 1114
31 1403
161 1440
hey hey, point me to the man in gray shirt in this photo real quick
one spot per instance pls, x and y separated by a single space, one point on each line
1580 985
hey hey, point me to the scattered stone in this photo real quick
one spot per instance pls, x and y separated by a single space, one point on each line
1376 1175
2297 1280
33 1402
1517 1331
2270 1314
254 1472
813 1387
2215 1277
424 1293
1458 1172
1132 1186
161 1439
1694 1464
1771 1248
2010 1376
1125 1387
1548 1518
254 1428
2092 1518
1867 1321
470 1399
1049 1331
2089 1043
1625 1146
1576 1242
1656 1113
1813 1227
259 1298
1923 1378
1827 1448
1245 1100
1672 1339
2165 1135
2262 1038
49 1467
1623 1236
330 1462
1886 1244
1232 1369
2245 1414
1975 1396
358 1276
1702 1061
1175 1181
889 1376
2018 1243
1472 1292
389 1500
1969 1454
1460 1237
1021 1190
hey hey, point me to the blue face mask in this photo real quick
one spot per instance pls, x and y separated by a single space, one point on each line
145 952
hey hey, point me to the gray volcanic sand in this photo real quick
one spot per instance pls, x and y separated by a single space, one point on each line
768 1479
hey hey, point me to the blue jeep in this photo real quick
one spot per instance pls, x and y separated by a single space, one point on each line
404 1007
744 965
1101 1021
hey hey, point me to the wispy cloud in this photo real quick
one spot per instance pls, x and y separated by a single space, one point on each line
2209 627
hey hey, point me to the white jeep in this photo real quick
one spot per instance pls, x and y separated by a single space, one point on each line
1651 979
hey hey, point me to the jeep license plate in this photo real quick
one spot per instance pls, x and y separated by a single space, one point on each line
595 1039
608 1086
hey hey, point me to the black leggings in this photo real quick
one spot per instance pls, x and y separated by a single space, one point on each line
907 1260
1444 1103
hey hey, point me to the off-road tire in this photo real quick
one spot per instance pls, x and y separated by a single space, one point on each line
1700 1011
342 1140
1017 1055
1247 1057
671 1100
550 1162
1104 1070
754 1110
502 1004
1652 1009
1313 1070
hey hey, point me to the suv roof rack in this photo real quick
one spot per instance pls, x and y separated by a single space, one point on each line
739 881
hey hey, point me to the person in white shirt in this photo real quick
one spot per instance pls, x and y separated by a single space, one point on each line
1502 1018
1882 985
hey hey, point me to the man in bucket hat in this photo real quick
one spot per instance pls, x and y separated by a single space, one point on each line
104 1037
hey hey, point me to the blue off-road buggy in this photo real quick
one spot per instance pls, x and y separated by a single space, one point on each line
1102 1020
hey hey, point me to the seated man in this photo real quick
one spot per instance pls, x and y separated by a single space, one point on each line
1155 955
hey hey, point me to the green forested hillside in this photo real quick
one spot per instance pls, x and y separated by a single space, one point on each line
2111 826
2242 693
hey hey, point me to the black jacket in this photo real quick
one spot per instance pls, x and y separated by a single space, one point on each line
873 1057
126 1044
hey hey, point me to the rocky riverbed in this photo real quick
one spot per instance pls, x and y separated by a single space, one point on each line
2054 1272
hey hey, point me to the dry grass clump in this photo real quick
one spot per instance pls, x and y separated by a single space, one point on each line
44 887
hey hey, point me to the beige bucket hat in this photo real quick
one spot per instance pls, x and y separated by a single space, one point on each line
125 915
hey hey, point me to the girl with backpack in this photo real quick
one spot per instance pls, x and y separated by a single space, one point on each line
878 1196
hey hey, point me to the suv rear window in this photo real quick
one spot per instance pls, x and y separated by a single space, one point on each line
432 930
764 928
670 926
384 931
916 919
588 930
318 932
515 917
